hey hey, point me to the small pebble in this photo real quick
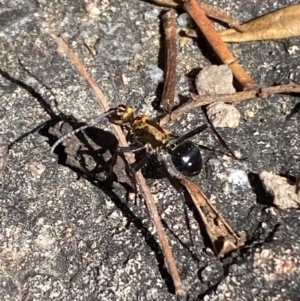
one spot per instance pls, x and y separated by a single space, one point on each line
184 20
285 193
215 80
223 115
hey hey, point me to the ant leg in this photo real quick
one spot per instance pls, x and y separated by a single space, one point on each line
133 149
140 164
219 137
188 135
212 150
179 188
124 149
137 165
200 129
133 167
192 133
80 129
223 143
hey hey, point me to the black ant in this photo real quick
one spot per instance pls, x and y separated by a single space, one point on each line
150 136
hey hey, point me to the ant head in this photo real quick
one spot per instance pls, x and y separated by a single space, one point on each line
121 115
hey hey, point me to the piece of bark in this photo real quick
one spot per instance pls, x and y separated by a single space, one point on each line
168 95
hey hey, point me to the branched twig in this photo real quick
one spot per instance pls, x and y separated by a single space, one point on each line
140 180
199 101
214 39
209 10
217 14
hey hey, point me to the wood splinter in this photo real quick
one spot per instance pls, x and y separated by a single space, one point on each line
168 95
203 100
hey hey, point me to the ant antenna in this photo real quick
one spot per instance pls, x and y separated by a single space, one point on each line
96 121
82 128
219 137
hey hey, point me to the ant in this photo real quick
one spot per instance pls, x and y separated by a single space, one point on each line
150 136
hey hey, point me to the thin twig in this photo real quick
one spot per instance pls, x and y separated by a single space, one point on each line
169 3
209 10
199 101
214 39
3 153
140 180
280 89
168 95
217 14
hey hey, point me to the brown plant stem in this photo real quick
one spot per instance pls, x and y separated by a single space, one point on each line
168 95
199 101
209 10
214 39
140 180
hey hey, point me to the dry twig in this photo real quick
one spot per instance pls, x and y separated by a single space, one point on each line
209 10
168 95
3 153
214 39
140 180
199 101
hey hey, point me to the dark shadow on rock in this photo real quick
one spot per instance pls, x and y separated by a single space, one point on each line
294 111
74 156
262 197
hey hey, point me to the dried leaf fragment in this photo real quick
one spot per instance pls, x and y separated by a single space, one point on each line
223 238
279 24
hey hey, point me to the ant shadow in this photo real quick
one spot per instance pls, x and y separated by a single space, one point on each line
89 154
81 162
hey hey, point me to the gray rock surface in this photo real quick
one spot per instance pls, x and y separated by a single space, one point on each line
68 235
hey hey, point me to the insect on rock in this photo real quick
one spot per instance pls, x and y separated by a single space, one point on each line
148 135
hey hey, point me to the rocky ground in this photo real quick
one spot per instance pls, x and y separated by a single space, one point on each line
67 234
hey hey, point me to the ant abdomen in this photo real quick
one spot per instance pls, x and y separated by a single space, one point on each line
187 158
